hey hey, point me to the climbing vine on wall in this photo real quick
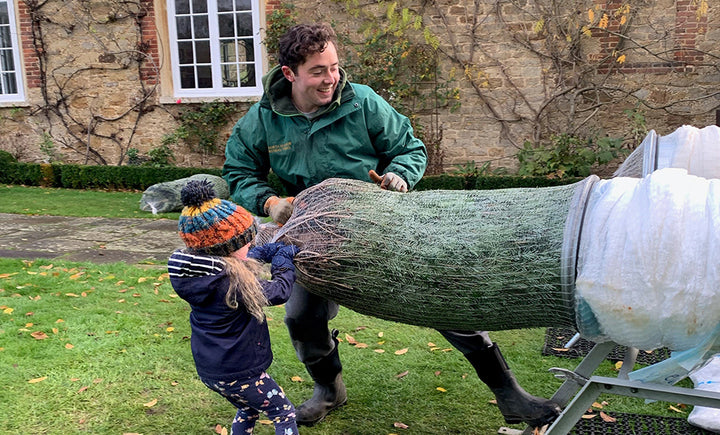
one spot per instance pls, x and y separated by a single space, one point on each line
78 114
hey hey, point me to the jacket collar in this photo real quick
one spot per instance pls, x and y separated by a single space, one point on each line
278 90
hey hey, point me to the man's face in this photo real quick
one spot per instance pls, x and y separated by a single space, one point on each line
316 80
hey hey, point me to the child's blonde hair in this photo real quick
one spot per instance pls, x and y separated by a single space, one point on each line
245 286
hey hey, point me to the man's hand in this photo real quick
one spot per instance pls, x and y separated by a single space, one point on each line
279 209
389 181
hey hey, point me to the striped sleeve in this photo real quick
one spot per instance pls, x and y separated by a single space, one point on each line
184 265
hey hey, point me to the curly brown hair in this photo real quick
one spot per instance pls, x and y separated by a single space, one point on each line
303 40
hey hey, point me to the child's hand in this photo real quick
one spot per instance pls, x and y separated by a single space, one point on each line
266 252
283 259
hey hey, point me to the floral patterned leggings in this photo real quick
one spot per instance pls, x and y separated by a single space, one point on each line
252 396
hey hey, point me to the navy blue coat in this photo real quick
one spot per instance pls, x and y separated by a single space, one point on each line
225 342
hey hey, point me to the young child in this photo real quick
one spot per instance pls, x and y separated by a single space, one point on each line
230 340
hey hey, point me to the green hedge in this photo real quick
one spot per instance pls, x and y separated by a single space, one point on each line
142 177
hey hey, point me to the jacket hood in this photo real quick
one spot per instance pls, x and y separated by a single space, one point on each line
278 90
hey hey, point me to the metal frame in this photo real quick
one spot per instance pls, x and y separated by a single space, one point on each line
591 387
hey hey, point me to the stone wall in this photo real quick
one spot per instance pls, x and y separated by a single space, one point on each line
98 79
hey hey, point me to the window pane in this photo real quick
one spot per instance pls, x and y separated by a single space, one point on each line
187 77
244 25
202 52
225 5
243 5
246 50
183 28
204 74
182 7
4 14
200 25
185 52
9 83
199 6
229 76
5 41
6 60
247 78
226 25
227 50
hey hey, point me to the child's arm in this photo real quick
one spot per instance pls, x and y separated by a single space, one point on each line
282 269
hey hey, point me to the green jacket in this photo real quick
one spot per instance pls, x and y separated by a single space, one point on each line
356 132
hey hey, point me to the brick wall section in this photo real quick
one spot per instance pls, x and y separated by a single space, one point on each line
149 71
33 78
688 25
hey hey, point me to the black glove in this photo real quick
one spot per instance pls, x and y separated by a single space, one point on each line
283 259
266 252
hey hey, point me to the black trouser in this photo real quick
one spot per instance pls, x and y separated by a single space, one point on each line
307 316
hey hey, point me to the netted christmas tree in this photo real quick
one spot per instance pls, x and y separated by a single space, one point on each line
482 259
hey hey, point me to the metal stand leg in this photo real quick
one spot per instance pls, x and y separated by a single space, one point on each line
598 385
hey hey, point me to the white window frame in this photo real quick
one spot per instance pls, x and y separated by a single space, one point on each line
217 91
18 96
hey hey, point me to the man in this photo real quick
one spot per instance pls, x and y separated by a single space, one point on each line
312 124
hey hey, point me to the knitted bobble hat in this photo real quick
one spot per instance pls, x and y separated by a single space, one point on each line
210 225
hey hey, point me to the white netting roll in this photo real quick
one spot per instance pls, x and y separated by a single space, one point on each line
649 260
481 259
691 148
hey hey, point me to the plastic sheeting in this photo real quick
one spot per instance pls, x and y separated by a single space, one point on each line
649 261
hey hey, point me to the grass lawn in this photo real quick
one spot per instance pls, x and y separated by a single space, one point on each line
104 349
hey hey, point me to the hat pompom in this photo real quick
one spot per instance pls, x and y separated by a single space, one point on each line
196 193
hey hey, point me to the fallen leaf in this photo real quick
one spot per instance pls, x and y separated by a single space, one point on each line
350 339
403 374
361 345
36 380
672 408
606 418
441 389
597 405
170 329
379 351
560 349
437 373
77 275
589 416
431 344
39 335
68 346
400 425
618 365
380 334
401 351
72 295
151 403
82 389
296 379
265 422
59 321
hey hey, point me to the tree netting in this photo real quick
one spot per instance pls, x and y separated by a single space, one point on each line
482 259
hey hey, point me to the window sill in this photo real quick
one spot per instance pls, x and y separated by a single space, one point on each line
194 100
